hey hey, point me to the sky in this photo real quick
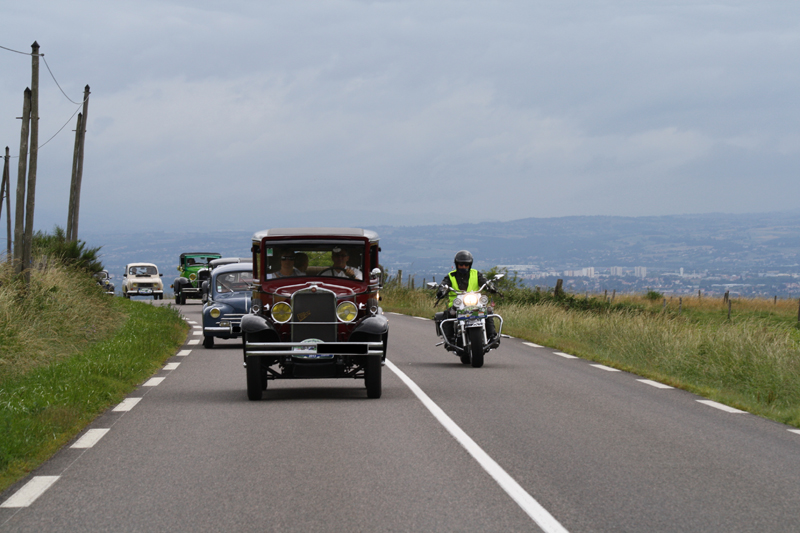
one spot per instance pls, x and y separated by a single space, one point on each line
245 115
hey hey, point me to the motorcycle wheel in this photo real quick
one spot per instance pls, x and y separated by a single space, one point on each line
476 346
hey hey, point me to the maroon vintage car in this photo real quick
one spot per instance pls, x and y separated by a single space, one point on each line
315 311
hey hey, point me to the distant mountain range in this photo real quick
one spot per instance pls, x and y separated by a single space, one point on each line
721 242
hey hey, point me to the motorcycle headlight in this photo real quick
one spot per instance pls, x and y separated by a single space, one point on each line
484 300
281 312
347 311
458 303
471 299
214 312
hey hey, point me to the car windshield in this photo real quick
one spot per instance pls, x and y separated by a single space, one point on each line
342 260
233 281
200 260
143 270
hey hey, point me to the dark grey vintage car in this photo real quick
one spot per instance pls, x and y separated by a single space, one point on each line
229 293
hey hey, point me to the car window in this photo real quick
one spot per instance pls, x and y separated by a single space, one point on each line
143 270
328 259
233 281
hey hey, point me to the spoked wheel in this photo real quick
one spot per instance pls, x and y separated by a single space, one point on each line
476 346
255 382
372 377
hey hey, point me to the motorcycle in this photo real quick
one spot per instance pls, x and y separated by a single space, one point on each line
472 309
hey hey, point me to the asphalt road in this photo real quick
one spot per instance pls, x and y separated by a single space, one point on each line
549 443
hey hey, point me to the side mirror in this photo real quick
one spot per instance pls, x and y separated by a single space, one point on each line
375 273
432 284
160 274
499 276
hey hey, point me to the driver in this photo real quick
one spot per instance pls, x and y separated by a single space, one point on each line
464 278
340 269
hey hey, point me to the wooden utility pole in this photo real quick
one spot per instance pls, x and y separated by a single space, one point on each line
80 162
19 213
73 189
5 192
31 194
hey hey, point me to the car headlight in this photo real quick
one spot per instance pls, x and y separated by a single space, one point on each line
347 311
214 312
471 299
135 285
281 312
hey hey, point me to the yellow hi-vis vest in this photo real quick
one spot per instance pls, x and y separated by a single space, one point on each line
472 286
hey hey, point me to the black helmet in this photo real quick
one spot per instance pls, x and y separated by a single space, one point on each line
463 257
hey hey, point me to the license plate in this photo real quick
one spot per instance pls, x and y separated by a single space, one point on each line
145 291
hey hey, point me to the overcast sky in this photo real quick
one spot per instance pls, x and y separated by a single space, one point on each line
244 115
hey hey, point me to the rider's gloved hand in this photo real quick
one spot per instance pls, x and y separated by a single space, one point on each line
441 292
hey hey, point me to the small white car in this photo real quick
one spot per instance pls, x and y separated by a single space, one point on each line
142 279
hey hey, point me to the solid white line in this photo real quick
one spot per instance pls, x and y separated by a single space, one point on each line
421 318
720 406
566 355
90 438
532 345
127 404
194 341
655 384
795 431
171 366
30 491
533 508
153 382
184 353
606 368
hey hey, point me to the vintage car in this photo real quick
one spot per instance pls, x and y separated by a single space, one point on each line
142 279
229 292
214 263
104 280
193 270
315 311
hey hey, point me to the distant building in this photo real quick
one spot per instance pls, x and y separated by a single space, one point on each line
640 272
616 271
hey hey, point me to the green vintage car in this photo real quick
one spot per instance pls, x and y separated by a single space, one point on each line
193 270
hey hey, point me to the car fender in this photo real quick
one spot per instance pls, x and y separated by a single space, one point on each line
255 324
180 282
373 325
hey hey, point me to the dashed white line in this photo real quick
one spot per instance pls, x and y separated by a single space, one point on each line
197 332
655 384
198 327
421 318
127 404
90 438
566 355
532 508
191 322
721 407
30 491
171 366
606 368
153 382
184 353
193 342
532 345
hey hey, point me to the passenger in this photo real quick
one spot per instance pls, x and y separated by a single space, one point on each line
287 267
340 268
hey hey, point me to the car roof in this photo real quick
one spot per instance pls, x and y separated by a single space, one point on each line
228 260
233 267
315 232
199 253
140 264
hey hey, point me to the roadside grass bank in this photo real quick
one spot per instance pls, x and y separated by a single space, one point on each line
68 352
750 361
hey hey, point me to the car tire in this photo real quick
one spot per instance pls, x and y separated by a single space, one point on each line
372 377
476 346
254 381
208 341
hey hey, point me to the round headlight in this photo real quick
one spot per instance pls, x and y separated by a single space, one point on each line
281 312
484 300
214 312
471 298
347 311
458 302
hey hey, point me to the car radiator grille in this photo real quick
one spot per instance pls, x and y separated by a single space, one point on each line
310 309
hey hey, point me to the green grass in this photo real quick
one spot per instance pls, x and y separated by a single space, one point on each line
68 353
750 361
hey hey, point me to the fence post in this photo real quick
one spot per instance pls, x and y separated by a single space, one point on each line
729 309
680 306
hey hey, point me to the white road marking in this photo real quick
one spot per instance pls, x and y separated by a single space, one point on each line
191 322
198 327
533 508
171 366
532 345
606 368
655 384
421 318
194 341
153 382
566 355
30 491
197 332
184 353
720 406
127 404
795 431
90 438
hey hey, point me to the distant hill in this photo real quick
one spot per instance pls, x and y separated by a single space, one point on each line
712 241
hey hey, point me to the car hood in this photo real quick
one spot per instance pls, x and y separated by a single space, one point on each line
288 289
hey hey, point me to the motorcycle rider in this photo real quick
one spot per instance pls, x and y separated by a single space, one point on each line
464 278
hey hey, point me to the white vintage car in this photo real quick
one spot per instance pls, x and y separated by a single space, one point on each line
142 279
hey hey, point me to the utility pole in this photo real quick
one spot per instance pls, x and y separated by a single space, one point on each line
30 200
5 192
73 189
19 213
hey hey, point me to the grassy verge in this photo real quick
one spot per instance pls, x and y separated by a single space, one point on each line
68 353
750 361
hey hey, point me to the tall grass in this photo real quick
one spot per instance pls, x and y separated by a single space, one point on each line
67 353
751 361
